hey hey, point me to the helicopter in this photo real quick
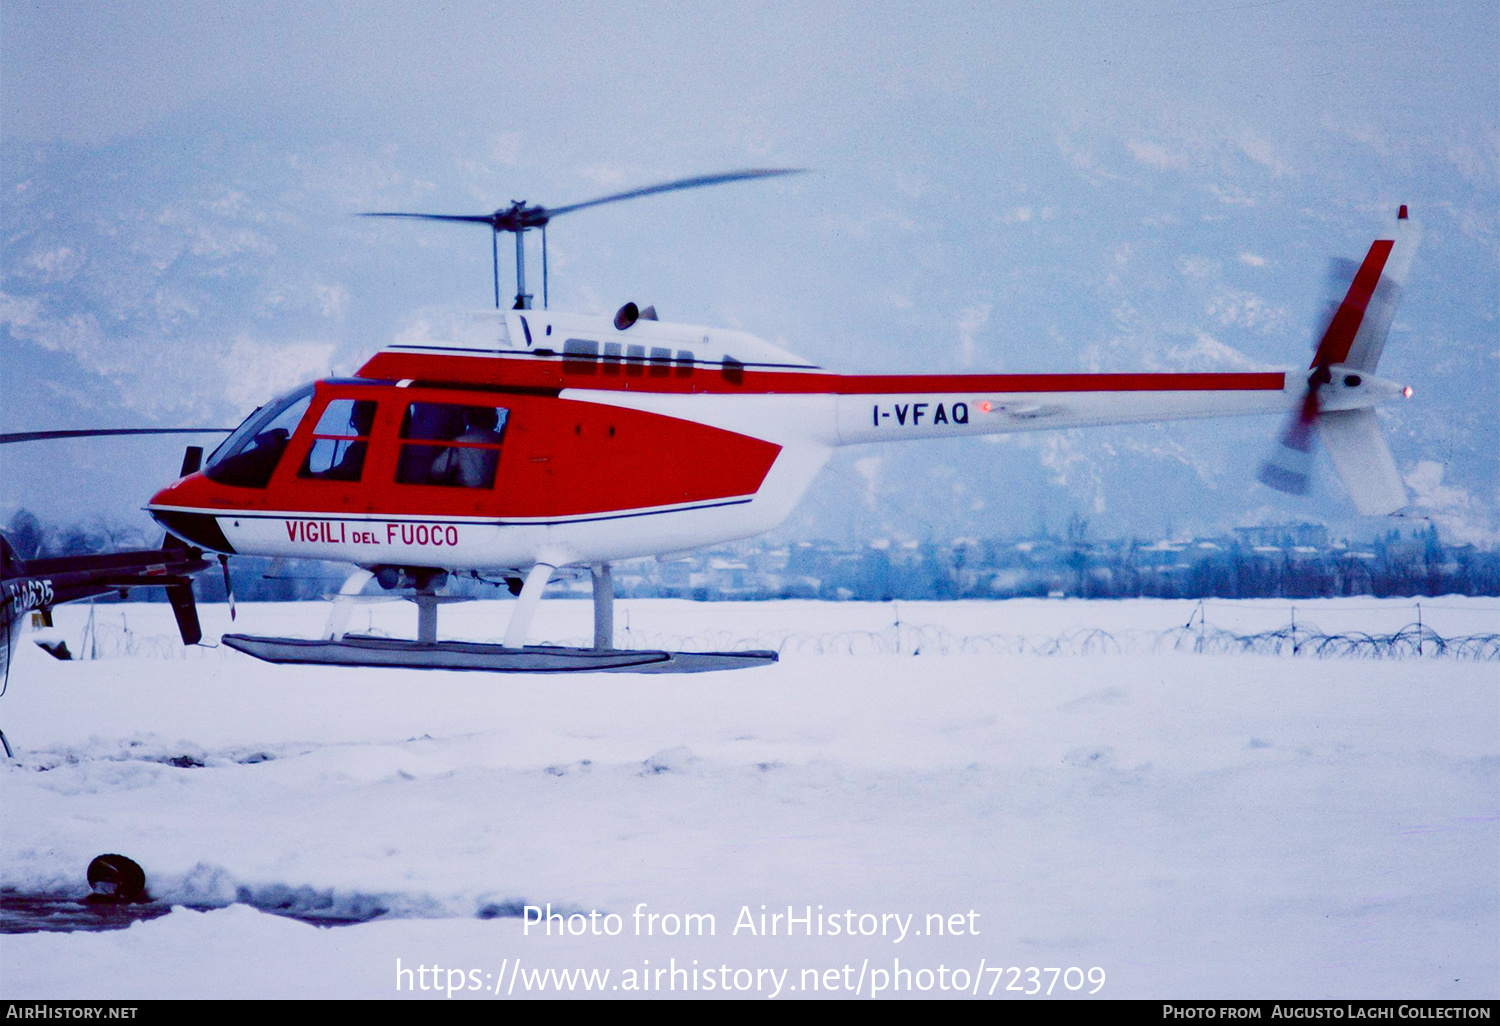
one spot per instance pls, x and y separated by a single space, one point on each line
36 585
557 440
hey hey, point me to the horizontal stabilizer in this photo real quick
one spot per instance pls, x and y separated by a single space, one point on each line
1363 460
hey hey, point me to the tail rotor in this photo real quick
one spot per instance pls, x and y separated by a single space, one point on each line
1343 366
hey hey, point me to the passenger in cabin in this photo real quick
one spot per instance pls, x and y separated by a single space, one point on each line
427 421
472 467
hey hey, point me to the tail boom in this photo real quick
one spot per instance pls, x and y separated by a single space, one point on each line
1049 403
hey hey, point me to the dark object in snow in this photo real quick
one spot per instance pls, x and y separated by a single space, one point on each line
117 878
55 649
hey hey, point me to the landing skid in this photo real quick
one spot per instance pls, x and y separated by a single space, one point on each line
365 650
337 648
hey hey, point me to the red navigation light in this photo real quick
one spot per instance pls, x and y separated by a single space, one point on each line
985 407
1406 391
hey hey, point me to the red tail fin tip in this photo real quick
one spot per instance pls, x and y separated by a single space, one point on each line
1402 215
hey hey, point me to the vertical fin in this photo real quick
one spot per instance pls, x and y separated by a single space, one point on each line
1356 335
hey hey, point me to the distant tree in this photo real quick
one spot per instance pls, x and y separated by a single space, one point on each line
933 579
25 534
77 540
115 535
875 577
1432 545
1078 552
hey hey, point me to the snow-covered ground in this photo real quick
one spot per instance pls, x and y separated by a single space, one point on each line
1178 824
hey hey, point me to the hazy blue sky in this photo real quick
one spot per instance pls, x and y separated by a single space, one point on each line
764 76
1027 186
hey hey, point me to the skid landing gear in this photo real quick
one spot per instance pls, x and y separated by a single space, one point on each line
337 648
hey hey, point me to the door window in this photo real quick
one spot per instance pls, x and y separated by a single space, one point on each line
339 441
459 446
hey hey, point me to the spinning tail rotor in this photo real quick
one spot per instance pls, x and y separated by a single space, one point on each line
1337 404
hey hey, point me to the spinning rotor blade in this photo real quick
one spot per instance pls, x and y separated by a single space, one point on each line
519 217
488 219
1353 336
681 183
1289 466
1340 275
39 436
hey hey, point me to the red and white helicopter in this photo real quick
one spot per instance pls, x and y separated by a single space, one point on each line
563 440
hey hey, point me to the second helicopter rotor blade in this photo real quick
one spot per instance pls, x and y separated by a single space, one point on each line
41 436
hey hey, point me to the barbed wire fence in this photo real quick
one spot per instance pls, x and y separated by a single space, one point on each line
104 638
915 639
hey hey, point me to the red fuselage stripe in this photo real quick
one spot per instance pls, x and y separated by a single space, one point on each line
538 372
1337 340
898 384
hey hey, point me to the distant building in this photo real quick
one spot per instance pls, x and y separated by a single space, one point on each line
1314 536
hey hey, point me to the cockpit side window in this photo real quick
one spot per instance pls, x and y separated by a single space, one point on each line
249 457
339 441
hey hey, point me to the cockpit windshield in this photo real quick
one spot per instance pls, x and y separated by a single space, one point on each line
249 456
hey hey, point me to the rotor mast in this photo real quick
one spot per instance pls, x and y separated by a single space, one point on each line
523 298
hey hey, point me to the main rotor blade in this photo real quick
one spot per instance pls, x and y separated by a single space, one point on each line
488 219
519 217
38 436
681 183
